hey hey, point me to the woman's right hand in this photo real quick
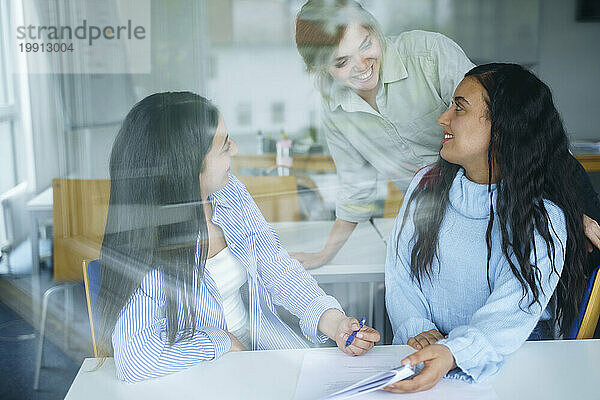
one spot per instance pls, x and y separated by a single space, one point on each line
339 234
236 345
438 361
425 339
310 260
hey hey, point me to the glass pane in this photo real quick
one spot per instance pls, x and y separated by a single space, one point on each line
4 59
20 154
3 81
7 160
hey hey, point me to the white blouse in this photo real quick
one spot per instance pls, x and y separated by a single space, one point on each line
229 276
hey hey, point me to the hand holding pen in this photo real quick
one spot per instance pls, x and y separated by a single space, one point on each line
350 339
355 338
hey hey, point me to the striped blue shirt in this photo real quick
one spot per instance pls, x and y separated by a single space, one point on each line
140 343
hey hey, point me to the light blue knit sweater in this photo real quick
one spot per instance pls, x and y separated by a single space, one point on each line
483 328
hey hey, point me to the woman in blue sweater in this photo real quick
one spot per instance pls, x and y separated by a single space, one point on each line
488 243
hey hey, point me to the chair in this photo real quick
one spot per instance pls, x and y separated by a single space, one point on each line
91 281
79 210
589 311
79 213
393 201
276 196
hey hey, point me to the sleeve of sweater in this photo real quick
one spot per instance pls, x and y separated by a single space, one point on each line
407 307
505 321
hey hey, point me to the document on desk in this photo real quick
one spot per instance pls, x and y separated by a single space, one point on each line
324 373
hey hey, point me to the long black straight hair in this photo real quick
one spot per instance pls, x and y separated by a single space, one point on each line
528 152
155 215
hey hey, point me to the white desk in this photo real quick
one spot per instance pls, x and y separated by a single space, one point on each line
538 370
360 260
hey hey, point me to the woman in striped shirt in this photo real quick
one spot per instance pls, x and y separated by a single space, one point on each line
190 268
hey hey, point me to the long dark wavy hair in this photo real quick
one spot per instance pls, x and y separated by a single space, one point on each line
528 152
155 216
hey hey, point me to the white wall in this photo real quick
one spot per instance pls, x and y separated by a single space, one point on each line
569 62
91 147
261 75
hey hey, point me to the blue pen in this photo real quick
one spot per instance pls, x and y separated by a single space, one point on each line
350 339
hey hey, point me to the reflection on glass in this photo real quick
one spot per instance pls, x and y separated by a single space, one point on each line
7 160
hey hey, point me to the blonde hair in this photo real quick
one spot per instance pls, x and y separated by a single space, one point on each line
320 26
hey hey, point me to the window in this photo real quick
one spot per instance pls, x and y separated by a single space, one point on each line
8 177
5 82
8 110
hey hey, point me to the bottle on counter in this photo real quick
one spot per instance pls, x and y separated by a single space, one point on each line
283 158
260 144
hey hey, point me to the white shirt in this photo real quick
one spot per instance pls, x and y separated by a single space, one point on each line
229 276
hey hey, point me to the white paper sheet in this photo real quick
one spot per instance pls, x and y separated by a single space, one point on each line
446 389
324 373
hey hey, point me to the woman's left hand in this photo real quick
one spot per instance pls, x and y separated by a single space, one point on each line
438 361
363 341
425 339
592 232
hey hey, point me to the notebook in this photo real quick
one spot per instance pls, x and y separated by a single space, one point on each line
374 382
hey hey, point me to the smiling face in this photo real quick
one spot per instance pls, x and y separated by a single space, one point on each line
217 163
357 60
467 130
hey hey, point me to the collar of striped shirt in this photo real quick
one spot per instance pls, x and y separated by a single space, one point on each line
223 196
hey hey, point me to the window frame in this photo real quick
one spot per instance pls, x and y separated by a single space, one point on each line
9 111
